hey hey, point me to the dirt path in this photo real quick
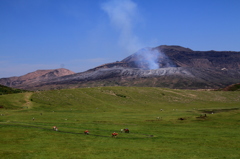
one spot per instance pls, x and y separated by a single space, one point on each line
181 94
27 99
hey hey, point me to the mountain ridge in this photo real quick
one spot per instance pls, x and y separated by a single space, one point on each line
185 57
162 66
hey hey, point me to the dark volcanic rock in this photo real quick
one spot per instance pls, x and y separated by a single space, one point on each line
172 77
162 66
177 56
183 57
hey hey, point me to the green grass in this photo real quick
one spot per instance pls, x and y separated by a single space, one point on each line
103 110
8 90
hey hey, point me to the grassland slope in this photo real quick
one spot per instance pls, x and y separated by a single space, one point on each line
163 123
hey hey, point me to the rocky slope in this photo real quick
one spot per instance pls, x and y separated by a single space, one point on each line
177 56
172 77
162 66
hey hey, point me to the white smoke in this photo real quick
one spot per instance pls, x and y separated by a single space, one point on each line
123 15
150 58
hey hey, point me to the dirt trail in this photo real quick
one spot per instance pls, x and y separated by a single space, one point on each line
27 97
181 94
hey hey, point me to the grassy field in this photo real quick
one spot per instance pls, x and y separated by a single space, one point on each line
191 124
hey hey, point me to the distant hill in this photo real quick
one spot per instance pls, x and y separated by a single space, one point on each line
34 77
162 66
8 90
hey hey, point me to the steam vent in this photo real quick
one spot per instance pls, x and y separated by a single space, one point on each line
148 59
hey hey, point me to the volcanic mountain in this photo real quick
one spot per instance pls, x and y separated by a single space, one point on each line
162 66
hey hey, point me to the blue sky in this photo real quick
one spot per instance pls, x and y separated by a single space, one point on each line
82 34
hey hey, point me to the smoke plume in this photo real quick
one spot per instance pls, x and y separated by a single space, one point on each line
149 58
123 16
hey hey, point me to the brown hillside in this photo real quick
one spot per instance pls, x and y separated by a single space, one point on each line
35 77
233 87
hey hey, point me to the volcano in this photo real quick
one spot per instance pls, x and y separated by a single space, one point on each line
162 66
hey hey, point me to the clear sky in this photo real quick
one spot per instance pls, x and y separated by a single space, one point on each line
82 34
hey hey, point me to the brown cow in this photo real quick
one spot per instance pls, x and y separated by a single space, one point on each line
54 127
86 132
126 130
114 134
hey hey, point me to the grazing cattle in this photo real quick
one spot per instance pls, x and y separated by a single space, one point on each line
54 128
86 132
126 130
181 119
114 134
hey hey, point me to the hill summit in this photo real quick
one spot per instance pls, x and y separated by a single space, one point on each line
35 77
176 56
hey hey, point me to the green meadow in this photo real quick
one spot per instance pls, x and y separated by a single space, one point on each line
163 123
